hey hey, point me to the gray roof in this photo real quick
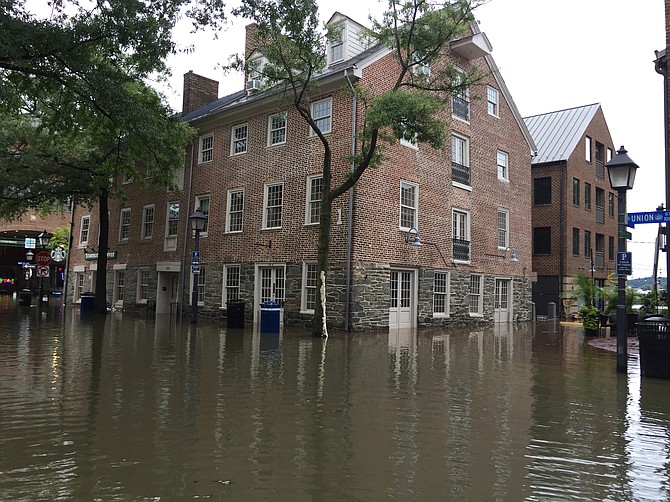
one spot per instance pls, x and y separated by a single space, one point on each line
557 134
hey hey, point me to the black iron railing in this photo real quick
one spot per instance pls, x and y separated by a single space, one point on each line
460 173
461 250
461 107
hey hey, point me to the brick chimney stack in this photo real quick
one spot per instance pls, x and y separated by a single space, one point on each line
198 91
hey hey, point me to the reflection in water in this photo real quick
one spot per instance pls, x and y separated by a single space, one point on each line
143 409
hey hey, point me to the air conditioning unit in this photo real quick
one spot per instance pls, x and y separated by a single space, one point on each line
253 85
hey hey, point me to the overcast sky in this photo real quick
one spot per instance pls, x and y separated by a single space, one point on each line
552 55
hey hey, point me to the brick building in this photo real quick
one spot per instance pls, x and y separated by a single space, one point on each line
574 207
255 170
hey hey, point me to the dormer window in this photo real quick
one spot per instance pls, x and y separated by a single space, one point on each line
337 48
256 79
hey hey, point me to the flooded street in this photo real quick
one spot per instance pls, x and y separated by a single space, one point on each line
137 409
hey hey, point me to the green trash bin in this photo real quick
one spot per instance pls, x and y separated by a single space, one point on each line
654 339
87 303
235 318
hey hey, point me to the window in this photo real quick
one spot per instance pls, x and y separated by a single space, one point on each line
80 284
460 161
610 204
314 194
238 139
492 101
198 281
172 219
476 299
124 225
575 192
83 230
587 195
503 171
542 240
441 294
321 114
235 213
277 129
609 154
272 205
202 202
142 285
119 286
231 284
600 205
542 191
409 197
147 222
461 235
409 140
337 45
610 248
309 284
587 243
460 99
503 228
600 160
588 147
420 66
206 148
575 242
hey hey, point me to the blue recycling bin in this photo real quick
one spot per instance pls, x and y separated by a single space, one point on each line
87 302
270 313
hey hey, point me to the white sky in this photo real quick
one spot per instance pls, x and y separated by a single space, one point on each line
553 55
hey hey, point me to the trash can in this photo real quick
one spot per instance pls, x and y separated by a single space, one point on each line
654 339
235 317
87 302
270 311
25 297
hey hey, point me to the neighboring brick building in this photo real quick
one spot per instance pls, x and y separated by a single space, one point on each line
255 170
574 207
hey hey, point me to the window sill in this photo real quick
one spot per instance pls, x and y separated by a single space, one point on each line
471 314
467 188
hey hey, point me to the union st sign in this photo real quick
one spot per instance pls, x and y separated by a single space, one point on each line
648 217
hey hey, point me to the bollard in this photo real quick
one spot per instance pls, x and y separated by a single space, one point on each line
551 310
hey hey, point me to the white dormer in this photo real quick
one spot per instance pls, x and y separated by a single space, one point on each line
472 47
348 42
255 79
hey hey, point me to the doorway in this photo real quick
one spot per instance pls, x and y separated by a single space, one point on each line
502 302
402 304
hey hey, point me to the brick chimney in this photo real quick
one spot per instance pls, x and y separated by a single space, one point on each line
198 91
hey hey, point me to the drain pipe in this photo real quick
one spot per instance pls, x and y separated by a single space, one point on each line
350 217
182 271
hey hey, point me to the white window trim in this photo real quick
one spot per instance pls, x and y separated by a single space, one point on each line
466 97
229 201
342 41
303 288
415 224
311 109
466 160
167 219
121 213
265 205
232 140
308 198
117 301
497 101
144 221
465 237
198 201
193 284
82 242
506 211
506 156
447 307
480 301
139 300
270 130
201 151
224 282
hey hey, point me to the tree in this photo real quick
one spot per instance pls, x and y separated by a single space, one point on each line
417 34
75 113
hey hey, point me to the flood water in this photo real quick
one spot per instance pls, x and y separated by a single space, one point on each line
137 409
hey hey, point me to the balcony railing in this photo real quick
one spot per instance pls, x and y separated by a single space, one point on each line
600 215
461 107
460 173
461 250
600 169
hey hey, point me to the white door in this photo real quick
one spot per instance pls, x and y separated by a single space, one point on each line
402 304
503 300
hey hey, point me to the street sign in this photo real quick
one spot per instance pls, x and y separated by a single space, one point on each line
195 269
195 259
58 254
30 243
624 263
648 217
43 258
42 271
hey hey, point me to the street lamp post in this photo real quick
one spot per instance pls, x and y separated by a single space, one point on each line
198 221
43 240
621 171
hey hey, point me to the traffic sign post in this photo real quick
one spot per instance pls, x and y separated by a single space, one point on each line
648 217
624 263
43 258
42 271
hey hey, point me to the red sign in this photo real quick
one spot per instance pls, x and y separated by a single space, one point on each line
43 258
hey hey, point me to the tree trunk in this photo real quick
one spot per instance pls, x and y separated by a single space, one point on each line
100 303
319 319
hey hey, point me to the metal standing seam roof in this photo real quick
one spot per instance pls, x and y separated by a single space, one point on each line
557 134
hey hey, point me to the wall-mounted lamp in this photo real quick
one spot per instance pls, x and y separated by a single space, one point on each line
412 237
512 254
